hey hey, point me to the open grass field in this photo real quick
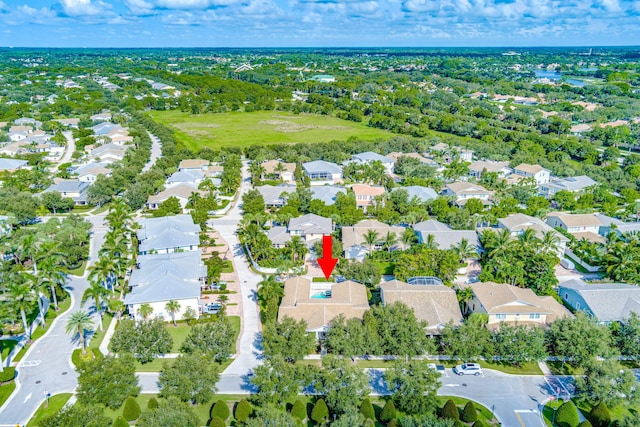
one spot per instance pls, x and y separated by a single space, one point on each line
261 127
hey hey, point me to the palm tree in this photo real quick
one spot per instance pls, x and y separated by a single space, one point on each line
550 241
115 306
465 250
528 239
172 307
431 243
207 185
298 248
409 237
498 243
39 288
145 311
51 273
98 293
104 268
389 241
269 293
464 296
21 295
371 238
79 323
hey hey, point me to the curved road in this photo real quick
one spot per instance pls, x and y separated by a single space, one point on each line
46 366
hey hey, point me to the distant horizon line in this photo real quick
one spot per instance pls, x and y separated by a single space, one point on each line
590 46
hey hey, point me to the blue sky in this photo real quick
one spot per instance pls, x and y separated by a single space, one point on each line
273 23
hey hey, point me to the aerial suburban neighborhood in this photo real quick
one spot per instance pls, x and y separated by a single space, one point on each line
302 238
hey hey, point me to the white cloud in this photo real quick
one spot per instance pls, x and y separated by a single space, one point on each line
261 8
192 4
139 7
82 7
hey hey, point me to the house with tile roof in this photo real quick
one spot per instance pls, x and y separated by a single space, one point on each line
537 172
517 224
606 302
581 226
510 304
435 304
275 169
322 172
366 194
417 192
444 236
463 191
181 191
177 233
71 188
477 168
573 184
318 303
193 165
355 245
368 157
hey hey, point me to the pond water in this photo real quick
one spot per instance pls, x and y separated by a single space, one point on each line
556 75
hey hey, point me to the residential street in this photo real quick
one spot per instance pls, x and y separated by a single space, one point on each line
156 152
46 367
249 347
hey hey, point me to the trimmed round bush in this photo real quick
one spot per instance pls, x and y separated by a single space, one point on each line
366 409
131 409
567 415
152 403
600 416
388 412
8 374
243 411
392 423
369 423
585 423
320 412
299 410
459 424
221 410
216 422
450 410
469 413
120 422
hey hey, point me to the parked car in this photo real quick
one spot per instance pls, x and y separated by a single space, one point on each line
468 369
211 308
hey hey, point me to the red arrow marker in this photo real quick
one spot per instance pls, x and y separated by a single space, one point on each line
327 263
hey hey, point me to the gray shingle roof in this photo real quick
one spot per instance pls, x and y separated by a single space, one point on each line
607 301
319 166
69 186
574 183
311 224
165 287
327 193
443 235
423 194
370 156
186 265
10 164
271 194
186 176
278 235
168 232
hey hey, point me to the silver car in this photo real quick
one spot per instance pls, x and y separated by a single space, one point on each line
468 369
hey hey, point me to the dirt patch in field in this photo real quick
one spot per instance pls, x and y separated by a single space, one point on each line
289 127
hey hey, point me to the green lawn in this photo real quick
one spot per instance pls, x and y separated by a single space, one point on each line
261 127
79 271
56 402
617 412
179 334
7 346
386 267
6 390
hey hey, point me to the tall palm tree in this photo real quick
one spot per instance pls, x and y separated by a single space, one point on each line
528 239
172 307
431 243
464 296
101 270
550 241
208 185
465 250
39 288
389 241
98 293
499 242
298 248
371 238
269 293
145 311
52 274
79 323
409 237
116 307
21 295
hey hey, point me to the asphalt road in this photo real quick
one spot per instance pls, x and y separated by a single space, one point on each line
46 367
